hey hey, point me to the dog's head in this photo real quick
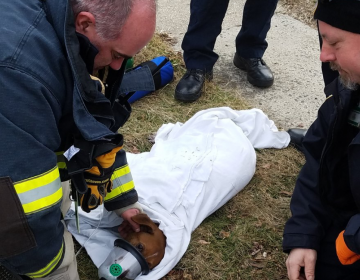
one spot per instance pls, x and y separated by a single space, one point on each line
150 241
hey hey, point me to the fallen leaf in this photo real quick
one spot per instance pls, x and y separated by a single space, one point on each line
224 234
203 242
286 193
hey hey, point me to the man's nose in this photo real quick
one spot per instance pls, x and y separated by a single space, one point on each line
116 63
327 53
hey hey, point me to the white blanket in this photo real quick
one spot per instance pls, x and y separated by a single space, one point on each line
192 170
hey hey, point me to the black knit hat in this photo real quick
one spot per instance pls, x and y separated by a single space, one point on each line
342 14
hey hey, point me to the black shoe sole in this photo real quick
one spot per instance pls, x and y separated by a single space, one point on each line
187 97
260 84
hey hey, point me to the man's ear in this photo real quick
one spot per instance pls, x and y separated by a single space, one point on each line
85 24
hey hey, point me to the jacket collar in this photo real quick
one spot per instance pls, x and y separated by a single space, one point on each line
87 52
92 111
336 89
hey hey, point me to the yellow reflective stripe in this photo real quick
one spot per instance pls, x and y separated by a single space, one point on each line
61 165
121 171
37 181
44 202
60 160
50 266
120 190
122 182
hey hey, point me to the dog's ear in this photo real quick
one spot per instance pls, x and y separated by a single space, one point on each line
146 224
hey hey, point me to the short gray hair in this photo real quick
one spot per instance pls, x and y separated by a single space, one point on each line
110 15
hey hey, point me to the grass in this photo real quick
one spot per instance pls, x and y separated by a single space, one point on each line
302 10
242 240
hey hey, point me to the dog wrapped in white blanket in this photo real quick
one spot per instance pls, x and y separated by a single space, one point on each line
192 170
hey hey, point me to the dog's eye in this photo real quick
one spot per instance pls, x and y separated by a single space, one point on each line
140 247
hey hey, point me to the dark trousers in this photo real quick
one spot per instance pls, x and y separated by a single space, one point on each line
205 25
328 266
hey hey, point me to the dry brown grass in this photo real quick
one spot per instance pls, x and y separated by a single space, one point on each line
302 10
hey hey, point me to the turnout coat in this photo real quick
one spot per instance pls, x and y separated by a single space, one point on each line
48 102
327 192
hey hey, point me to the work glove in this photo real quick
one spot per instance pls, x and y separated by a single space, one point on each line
98 180
345 255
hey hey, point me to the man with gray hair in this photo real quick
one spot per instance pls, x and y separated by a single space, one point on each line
59 123
323 235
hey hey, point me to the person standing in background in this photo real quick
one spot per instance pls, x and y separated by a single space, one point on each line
198 44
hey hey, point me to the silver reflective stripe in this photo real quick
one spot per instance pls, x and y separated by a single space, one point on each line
41 192
122 180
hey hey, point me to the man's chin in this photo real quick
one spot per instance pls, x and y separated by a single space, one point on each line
348 83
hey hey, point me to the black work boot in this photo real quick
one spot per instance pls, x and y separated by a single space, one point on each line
296 137
190 86
258 73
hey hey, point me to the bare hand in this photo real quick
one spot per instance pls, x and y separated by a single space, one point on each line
299 258
128 225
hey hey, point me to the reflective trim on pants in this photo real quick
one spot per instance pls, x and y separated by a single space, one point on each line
49 267
68 268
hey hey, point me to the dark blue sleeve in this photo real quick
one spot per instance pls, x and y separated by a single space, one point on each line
309 219
352 234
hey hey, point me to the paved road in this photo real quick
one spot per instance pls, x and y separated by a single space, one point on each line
293 55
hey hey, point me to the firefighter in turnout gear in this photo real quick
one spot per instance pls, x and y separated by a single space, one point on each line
58 124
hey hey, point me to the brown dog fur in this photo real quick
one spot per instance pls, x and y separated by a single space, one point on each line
150 241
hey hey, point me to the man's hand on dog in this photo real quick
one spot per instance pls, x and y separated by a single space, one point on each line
128 225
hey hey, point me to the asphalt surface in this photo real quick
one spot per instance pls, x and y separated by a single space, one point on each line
292 54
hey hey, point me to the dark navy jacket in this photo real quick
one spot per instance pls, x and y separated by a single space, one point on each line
327 192
46 99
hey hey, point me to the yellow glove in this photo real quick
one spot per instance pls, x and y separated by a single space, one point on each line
98 180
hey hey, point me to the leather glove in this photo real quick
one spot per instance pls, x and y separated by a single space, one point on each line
345 255
98 180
